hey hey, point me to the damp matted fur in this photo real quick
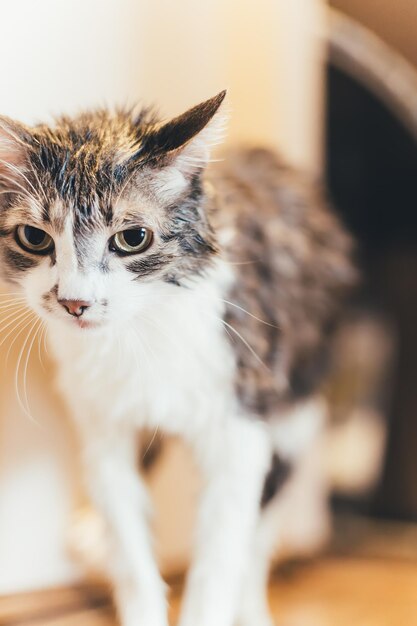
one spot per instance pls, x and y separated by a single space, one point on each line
289 255
215 330
291 260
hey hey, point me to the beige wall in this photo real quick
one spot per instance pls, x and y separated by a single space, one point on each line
58 56
267 53
395 21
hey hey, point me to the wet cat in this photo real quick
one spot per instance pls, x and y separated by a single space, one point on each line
193 297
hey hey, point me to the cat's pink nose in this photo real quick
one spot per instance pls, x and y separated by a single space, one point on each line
75 307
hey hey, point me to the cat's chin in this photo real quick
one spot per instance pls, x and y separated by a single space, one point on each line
85 324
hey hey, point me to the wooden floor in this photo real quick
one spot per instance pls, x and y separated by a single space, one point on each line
329 592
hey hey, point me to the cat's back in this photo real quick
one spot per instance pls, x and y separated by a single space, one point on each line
254 188
291 260
278 220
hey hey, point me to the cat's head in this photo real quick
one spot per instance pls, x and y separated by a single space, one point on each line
98 210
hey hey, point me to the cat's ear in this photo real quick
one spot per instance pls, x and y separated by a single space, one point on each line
14 144
187 139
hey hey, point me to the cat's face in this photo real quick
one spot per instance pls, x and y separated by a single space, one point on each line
101 213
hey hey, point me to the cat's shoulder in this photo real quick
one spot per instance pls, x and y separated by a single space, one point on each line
291 261
257 183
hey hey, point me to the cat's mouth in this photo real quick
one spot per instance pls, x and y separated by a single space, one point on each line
86 323
83 323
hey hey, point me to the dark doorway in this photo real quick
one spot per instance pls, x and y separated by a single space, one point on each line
372 177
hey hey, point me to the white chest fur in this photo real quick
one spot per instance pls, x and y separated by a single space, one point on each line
172 368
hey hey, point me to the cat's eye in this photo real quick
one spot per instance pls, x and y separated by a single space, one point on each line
34 239
131 241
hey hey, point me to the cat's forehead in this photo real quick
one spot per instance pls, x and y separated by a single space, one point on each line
69 217
86 156
87 212
100 134
78 170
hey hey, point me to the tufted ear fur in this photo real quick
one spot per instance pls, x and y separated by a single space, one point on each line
14 145
186 139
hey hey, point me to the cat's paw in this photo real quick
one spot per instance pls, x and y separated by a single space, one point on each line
87 541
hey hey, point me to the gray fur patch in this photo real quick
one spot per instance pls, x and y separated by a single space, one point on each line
277 476
18 262
291 260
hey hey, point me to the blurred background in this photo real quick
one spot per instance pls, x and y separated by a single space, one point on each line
333 86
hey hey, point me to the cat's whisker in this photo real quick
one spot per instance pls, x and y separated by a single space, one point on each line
10 312
3 327
200 162
249 347
18 328
40 336
11 293
20 192
35 330
7 191
11 302
14 182
243 262
227 326
26 409
6 308
33 169
19 325
11 309
237 306
255 317
123 188
45 340
255 354
149 446
18 171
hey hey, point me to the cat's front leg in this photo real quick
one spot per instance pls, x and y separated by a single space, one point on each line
234 456
119 494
